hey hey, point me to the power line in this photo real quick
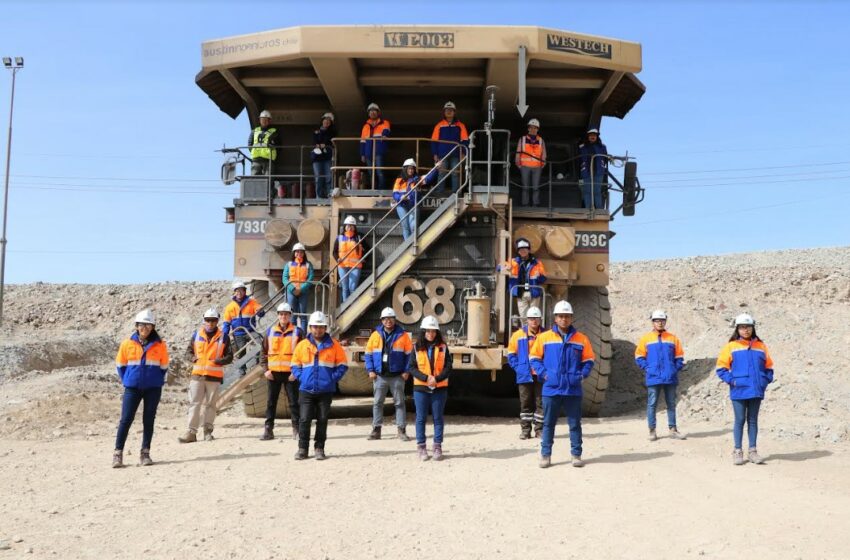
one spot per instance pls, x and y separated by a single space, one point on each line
741 177
151 252
716 170
146 179
747 183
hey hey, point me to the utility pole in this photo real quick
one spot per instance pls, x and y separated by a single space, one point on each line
14 66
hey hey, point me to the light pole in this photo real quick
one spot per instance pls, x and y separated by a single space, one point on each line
14 66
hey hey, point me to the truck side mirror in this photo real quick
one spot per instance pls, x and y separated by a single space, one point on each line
228 172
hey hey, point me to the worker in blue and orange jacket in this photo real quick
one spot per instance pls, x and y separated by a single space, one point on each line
276 359
563 358
239 318
527 277
431 366
318 363
142 364
446 136
373 147
387 356
659 353
405 195
528 383
745 364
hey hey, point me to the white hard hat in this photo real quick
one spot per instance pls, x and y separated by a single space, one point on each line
145 316
373 106
449 105
430 323
350 221
658 314
299 247
534 122
744 319
563 308
328 116
534 313
593 131
318 319
284 308
388 312
265 115
522 243
239 284
212 313
409 162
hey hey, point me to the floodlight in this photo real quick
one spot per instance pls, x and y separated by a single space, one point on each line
19 61
7 62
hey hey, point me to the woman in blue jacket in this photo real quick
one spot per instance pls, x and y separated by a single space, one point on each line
323 154
745 364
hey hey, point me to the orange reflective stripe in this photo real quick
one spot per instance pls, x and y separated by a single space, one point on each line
350 252
207 350
531 153
425 365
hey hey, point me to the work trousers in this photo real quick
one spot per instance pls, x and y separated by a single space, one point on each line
530 406
318 406
129 405
395 385
281 378
203 395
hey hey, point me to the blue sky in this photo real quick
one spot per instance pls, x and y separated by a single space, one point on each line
741 137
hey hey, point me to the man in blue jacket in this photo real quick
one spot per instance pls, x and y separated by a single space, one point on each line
594 169
387 355
659 353
527 381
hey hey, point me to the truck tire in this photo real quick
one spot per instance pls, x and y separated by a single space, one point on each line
592 312
256 397
356 382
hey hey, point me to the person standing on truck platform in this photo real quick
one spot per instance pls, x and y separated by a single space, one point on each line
263 142
746 366
530 158
276 359
594 169
373 148
142 364
323 155
563 358
405 196
431 366
387 357
239 318
349 249
209 351
449 129
527 278
297 279
528 383
318 364
659 353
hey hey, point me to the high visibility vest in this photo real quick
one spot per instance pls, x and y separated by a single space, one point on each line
424 365
281 346
298 272
531 152
207 350
346 244
259 148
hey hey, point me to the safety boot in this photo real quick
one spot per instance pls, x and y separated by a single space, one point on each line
438 451
188 437
301 454
754 456
319 452
117 458
577 462
376 433
208 435
652 435
145 458
268 433
738 457
402 434
538 432
294 432
676 434
525 433
545 461
422 452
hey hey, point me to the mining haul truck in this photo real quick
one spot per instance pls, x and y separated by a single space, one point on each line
498 78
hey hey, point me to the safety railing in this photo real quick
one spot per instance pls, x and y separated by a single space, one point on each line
320 298
513 318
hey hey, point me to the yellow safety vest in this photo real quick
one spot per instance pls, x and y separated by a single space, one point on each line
260 149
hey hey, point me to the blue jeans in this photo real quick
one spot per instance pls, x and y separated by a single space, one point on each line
408 220
435 402
552 407
129 405
652 402
395 385
746 409
379 173
299 305
322 172
348 282
448 164
596 187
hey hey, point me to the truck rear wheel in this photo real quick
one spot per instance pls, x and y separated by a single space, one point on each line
592 312
256 397
356 382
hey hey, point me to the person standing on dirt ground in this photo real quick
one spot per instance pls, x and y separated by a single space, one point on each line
142 364
563 358
431 366
746 366
318 364
387 357
528 383
297 278
527 276
659 354
239 318
530 159
276 359
594 169
209 351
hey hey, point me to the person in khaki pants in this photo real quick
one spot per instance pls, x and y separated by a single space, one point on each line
210 351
